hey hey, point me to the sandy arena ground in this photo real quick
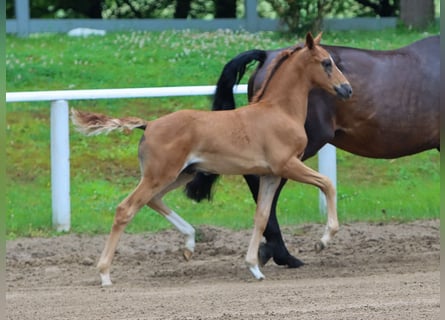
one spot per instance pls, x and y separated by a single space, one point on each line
387 271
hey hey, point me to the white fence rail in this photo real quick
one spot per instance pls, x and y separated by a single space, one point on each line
60 153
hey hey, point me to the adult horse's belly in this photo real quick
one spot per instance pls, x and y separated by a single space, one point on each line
388 141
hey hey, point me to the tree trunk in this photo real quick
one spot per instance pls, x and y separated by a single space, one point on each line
225 8
382 8
95 9
417 13
182 9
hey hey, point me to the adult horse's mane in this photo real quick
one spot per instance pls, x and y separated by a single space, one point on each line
273 67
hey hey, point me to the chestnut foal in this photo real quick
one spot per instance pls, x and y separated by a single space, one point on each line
266 138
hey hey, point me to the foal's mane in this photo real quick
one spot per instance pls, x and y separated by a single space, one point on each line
273 67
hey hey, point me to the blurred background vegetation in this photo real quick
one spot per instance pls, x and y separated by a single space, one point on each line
295 15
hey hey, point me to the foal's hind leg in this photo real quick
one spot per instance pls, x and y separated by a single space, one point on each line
296 170
183 226
125 211
268 186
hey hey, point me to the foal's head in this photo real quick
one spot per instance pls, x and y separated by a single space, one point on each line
323 72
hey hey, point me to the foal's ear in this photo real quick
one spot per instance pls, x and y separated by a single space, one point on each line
318 38
309 41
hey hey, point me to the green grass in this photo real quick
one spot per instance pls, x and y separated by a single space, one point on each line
104 169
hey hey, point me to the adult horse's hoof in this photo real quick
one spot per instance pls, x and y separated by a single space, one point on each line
280 256
293 262
264 254
187 254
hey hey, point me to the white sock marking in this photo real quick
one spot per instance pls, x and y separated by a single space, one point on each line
184 227
256 272
105 278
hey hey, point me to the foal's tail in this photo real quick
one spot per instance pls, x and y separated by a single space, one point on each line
201 186
90 123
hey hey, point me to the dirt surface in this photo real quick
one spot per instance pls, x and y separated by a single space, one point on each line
388 271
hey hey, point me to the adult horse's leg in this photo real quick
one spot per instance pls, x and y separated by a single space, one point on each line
274 246
125 212
267 188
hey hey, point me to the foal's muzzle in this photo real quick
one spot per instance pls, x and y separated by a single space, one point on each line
344 90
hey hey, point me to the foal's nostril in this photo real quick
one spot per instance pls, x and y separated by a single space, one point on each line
344 90
349 89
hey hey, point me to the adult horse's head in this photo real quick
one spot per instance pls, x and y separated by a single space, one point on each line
330 78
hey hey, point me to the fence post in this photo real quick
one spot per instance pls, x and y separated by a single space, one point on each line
251 15
327 165
22 15
60 166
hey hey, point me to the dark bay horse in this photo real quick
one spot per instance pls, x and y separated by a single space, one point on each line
267 138
394 112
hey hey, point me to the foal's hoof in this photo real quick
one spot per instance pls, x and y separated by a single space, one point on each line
319 246
187 254
255 270
105 280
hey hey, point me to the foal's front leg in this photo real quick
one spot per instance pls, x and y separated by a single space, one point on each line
296 170
268 186
274 246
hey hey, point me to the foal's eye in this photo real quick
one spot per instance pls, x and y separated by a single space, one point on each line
326 63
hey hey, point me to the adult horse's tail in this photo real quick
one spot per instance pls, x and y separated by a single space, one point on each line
201 186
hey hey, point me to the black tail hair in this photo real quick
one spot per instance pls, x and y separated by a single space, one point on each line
201 186
231 75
